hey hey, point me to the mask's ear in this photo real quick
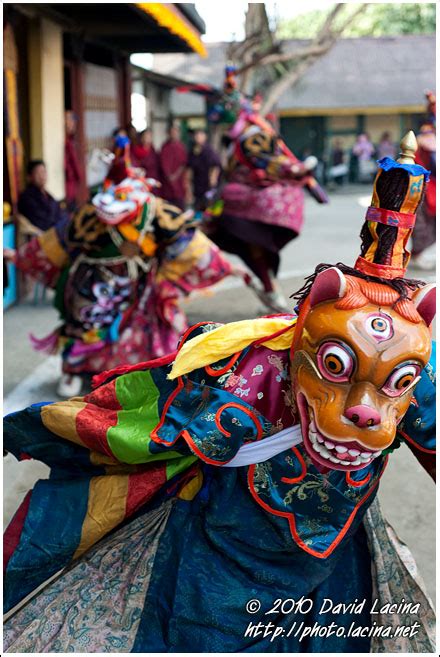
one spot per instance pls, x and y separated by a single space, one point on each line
424 301
329 284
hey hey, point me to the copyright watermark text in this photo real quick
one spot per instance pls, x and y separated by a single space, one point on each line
302 629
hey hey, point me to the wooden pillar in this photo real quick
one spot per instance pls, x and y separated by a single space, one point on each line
124 74
77 91
360 123
46 100
13 148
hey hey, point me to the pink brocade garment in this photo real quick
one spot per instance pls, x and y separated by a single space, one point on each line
154 327
278 204
159 322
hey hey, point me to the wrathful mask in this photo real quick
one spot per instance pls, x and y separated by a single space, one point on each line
359 351
123 202
139 216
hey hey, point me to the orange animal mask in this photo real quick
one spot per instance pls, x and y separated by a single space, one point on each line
357 356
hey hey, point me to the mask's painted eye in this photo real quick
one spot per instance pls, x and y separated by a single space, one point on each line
400 379
335 361
101 290
380 326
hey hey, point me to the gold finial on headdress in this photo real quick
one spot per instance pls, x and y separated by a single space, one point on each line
408 147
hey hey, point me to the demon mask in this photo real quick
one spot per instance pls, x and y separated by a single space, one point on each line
363 335
355 366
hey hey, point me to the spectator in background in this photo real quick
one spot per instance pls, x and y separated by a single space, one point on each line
72 169
122 161
118 132
337 156
144 154
173 160
424 234
363 151
338 169
204 168
363 148
386 147
132 133
35 202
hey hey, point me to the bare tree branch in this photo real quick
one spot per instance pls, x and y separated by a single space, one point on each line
236 50
286 82
318 46
329 21
321 44
277 57
260 49
360 10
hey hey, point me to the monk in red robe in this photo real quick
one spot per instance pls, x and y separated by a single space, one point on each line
143 155
72 168
173 160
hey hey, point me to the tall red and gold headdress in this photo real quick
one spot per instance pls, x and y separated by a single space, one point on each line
398 191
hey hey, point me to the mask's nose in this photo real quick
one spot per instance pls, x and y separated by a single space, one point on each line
363 416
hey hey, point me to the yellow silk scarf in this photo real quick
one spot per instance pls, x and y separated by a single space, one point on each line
229 339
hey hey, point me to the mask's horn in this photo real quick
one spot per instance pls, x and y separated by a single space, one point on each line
424 301
329 284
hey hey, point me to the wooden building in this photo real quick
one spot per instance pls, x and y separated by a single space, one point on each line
76 56
64 56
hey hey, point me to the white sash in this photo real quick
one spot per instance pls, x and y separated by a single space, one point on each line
262 450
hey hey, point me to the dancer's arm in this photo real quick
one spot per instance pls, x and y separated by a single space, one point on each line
42 258
418 426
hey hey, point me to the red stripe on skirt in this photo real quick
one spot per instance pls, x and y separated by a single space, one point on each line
143 485
100 414
12 535
98 379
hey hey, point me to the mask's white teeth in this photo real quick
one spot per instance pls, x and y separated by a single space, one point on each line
318 447
322 450
328 450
